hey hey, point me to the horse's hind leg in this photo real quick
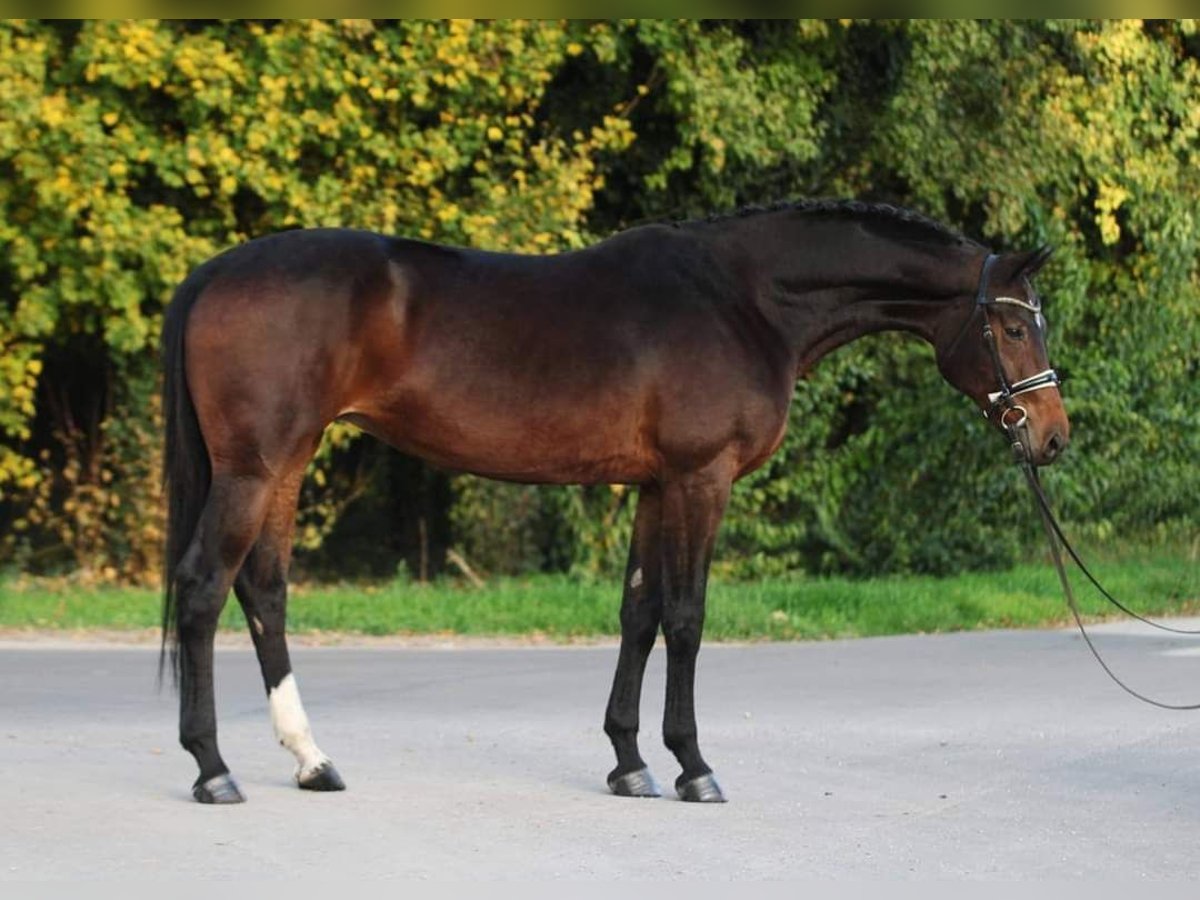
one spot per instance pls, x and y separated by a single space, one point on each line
261 588
231 519
641 610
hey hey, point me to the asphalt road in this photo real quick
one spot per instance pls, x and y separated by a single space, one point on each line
987 755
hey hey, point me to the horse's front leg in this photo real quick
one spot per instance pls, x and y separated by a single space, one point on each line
692 507
641 612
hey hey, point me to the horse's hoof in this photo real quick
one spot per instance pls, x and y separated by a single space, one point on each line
218 789
703 789
634 784
323 778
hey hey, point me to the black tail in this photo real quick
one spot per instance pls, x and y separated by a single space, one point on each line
186 472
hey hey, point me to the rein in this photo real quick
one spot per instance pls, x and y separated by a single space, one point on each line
1002 403
1053 536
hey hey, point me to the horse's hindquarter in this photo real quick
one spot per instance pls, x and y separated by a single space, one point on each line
599 366
270 346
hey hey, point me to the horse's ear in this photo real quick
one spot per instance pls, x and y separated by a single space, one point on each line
1036 259
1012 267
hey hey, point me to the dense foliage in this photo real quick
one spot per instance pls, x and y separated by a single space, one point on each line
130 151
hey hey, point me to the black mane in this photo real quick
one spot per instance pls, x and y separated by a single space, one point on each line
882 213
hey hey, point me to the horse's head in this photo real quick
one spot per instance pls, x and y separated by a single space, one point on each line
995 353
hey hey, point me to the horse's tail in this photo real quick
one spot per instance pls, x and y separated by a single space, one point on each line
186 469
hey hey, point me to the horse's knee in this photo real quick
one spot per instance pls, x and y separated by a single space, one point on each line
683 636
639 629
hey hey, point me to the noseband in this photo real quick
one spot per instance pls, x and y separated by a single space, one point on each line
1002 402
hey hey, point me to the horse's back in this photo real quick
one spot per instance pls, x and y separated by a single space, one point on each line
583 366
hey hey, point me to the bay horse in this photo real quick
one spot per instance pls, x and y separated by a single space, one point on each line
663 357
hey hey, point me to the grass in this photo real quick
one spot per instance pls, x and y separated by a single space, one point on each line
560 608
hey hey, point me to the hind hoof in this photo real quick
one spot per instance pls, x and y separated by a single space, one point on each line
323 778
703 789
219 789
634 784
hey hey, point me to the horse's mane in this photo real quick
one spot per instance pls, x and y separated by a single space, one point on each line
881 213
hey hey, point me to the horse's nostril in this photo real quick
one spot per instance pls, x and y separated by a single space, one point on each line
1054 446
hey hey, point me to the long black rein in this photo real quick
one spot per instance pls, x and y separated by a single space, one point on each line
1053 536
1002 402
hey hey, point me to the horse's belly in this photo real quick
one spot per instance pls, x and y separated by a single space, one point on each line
577 448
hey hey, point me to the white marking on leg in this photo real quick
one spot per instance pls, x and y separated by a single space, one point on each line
635 580
292 729
258 625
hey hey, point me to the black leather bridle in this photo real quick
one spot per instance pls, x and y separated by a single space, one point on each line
1003 402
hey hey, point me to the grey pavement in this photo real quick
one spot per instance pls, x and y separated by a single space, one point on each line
984 755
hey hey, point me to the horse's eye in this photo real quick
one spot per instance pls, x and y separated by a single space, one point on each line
1017 334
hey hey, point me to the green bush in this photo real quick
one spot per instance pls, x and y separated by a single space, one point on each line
133 150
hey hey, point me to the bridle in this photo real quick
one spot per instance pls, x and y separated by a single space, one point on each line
1003 402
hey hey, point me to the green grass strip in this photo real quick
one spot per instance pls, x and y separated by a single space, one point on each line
561 608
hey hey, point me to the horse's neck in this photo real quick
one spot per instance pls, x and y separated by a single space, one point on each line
829 281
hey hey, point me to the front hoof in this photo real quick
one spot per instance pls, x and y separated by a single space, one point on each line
703 789
323 778
219 789
634 784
